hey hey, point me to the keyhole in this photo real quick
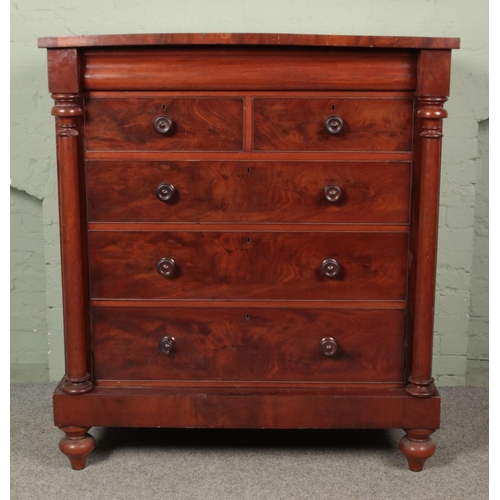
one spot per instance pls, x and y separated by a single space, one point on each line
247 316
248 170
333 107
163 107
248 241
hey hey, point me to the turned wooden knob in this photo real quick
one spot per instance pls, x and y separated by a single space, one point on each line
165 192
164 125
166 344
330 268
334 124
332 193
167 267
328 346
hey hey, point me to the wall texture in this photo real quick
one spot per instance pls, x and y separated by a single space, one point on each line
478 346
28 321
33 155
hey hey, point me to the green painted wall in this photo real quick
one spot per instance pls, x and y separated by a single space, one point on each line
478 346
28 319
32 131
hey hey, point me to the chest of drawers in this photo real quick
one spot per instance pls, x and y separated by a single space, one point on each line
248 232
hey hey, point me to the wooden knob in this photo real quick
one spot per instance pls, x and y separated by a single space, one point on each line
328 346
332 193
164 125
166 344
330 268
165 192
167 267
334 124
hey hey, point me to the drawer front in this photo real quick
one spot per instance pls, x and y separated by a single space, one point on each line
244 67
248 191
248 265
248 344
299 124
141 124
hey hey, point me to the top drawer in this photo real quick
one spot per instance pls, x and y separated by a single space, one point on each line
333 124
249 68
164 124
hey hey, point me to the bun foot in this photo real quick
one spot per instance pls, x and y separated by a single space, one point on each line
417 447
77 445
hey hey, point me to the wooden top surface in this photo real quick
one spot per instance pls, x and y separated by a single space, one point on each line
404 42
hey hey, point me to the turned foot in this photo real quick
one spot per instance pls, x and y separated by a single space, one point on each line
417 447
77 445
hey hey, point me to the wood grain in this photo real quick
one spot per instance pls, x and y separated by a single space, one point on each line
413 42
289 408
250 304
431 113
234 68
253 192
99 94
77 444
298 124
64 67
289 156
237 345
417 447
214 384
248 265
231 227
202 124
68 112
434 82
248 231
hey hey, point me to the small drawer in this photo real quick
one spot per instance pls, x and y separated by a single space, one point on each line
333 192
164 124
248 265
335 124
222 344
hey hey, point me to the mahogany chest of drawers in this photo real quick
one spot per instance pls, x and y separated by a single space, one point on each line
248 231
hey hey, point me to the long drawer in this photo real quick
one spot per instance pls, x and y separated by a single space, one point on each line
243 68
323 192
248 265
220 344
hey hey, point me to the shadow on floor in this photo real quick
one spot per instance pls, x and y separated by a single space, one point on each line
112 439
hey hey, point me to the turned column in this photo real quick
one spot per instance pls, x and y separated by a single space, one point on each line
68 112
433 80
430 111
433 72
